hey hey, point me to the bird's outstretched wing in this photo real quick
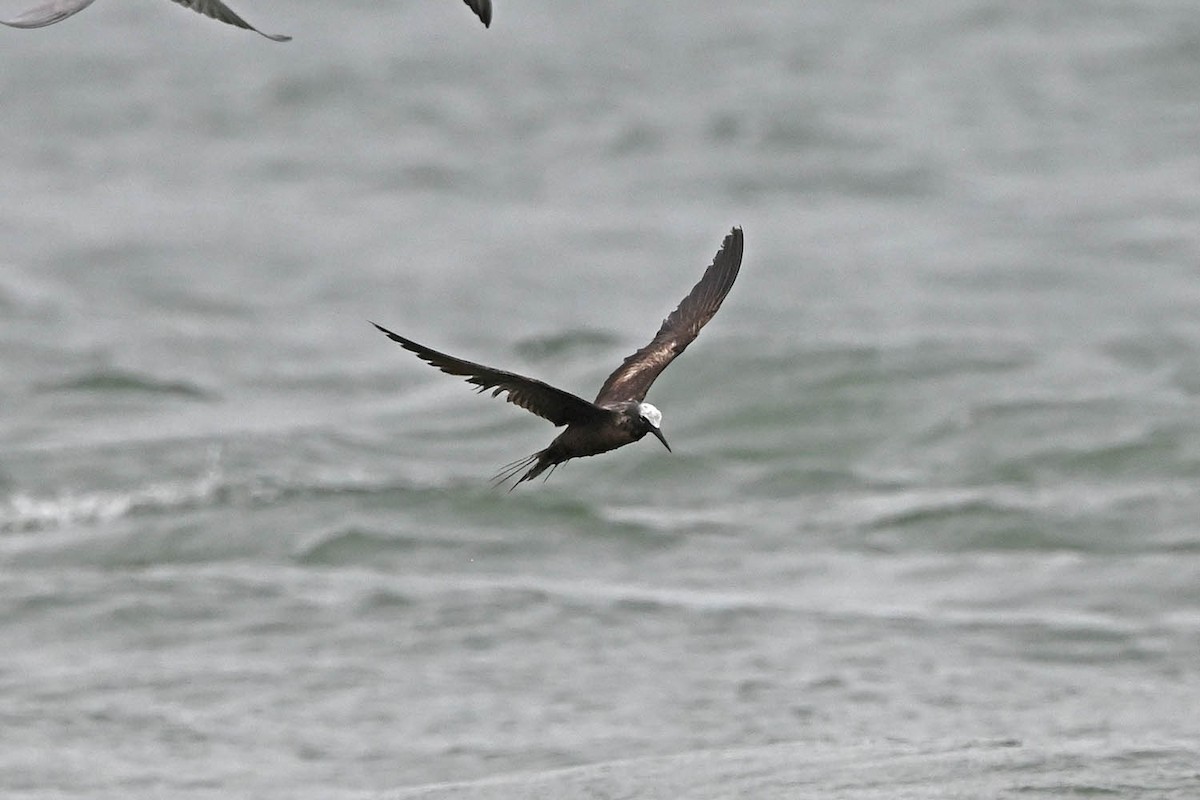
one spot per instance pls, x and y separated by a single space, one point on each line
54 11
633 378
561 408
47 13
223 13
483 10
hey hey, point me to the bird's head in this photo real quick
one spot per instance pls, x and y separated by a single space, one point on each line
653 419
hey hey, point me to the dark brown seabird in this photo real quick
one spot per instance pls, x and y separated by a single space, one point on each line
54 11
619 415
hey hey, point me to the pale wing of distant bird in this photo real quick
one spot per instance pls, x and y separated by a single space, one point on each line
47 13
483 10
634 377
548 402
223 13
58 10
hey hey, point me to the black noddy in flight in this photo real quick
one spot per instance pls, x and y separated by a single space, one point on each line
54 11
619 415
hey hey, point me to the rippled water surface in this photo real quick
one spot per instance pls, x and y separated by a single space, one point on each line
931 527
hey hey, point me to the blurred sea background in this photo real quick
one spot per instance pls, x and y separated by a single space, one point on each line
931 528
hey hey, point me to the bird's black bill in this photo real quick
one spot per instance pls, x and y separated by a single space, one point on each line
661 438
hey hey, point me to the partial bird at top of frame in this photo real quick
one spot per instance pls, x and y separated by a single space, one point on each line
54 11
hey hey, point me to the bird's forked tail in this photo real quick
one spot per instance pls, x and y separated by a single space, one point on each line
538 463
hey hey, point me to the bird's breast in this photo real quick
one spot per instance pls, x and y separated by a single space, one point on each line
589 440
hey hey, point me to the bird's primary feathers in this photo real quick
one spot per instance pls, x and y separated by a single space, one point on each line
54 11
483 10
619 415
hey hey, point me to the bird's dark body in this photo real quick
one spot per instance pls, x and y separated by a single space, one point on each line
618 416
578 441
626 426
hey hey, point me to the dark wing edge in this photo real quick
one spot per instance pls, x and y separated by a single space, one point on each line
633 378
483 10
215 9
548 402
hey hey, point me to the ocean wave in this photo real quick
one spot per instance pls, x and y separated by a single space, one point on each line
26 513
1083 512
123 381
547 346
353 546
882 767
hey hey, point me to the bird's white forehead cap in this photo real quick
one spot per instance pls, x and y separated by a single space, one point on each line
652 414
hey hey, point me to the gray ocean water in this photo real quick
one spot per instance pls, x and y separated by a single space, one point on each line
931 527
